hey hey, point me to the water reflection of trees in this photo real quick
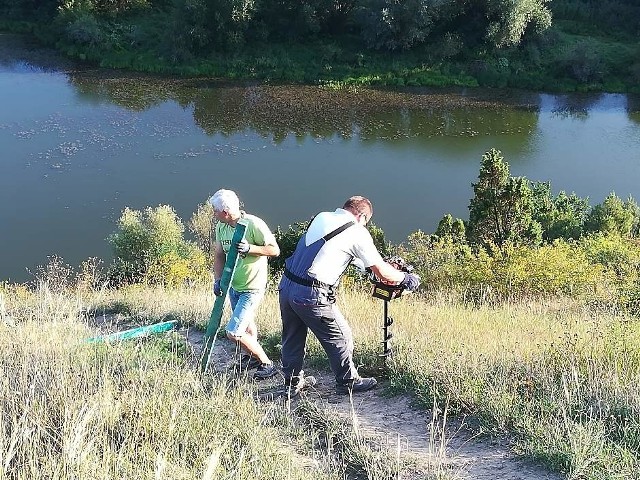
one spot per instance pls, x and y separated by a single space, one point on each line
133 93
279 111
574 105
633 108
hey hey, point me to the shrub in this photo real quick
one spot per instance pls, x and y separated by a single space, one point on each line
82 28
287 241
511 272
557 269
559 217
201 226
620 259
614 216
391 25
149 247
582 62
435 258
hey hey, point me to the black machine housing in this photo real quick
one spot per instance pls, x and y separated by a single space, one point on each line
387 292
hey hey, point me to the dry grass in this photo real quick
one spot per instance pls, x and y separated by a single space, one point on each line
559 378
134 410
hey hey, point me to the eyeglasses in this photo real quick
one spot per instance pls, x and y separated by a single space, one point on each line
366 219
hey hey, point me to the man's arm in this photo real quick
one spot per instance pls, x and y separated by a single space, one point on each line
387 273
264 250
219 258
262 235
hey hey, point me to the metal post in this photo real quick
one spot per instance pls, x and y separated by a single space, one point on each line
386 334
218 304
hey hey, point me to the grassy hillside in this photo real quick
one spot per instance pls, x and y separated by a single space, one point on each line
559 378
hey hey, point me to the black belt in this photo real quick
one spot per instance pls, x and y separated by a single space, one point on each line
303 281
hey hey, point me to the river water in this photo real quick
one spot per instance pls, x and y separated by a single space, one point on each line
81 144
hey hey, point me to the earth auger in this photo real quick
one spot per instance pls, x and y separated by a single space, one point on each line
387 293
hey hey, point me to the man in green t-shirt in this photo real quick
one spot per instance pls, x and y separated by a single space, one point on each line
249 278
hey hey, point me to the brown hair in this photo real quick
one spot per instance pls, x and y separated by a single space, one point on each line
358 204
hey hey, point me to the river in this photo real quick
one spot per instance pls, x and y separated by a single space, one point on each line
80 144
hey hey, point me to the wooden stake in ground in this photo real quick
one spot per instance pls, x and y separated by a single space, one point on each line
218 306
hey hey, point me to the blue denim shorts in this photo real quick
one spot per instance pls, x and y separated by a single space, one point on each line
244 306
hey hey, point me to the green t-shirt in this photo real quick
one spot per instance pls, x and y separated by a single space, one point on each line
251 271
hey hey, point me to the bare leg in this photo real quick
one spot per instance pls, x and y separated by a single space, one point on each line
249 341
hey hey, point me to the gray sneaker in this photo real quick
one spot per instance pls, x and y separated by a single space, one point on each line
266 370
298 384
357 385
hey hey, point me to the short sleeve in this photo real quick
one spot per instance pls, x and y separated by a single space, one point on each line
365 249
260 233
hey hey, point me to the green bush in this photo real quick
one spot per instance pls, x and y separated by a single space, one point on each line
583 62
614 216
287 241
560 268
511 272
619 257
201 225
149 247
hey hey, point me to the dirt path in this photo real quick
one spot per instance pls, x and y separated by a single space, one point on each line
410 432
405 429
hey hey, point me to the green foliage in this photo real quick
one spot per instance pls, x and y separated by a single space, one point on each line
614 216
559 217
187 32
496 43
287 20
31 10
379 239
510 19
611 17
451 230
620 259
392 25
201 225
287 241
104 7
81 27
502 208
149 247
582 62
435 258
560 268
199 26
512 272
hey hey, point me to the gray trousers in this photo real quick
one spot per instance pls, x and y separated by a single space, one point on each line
305 308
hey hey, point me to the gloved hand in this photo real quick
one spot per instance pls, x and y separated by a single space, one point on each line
411 282
243 247
217 291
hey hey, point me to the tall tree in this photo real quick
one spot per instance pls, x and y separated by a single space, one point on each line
510 19
501 210
396 25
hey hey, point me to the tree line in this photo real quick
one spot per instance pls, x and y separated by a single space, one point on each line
496 42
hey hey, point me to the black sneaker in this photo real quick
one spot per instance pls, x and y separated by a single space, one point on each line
357 385
265 370
248 362
298 384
